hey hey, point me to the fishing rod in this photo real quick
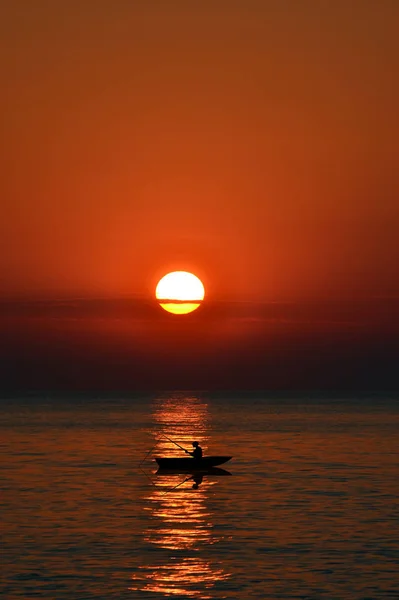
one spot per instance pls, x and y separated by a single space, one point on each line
146 456
148 477
176 444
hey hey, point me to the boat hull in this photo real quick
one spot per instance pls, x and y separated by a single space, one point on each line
209 471
203 464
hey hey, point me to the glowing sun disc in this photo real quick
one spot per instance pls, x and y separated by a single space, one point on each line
180 292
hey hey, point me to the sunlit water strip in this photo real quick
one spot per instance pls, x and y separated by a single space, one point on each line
178 517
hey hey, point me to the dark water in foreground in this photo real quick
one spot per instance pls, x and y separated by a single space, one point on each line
310 510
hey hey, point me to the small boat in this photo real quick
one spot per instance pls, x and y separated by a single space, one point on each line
209 471
194 464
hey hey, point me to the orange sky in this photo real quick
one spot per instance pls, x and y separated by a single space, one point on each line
254 143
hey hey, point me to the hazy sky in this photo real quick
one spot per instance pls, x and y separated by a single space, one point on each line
253 142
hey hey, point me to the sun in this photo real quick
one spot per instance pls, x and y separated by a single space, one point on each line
180 292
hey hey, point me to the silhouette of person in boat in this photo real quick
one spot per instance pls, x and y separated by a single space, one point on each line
197 453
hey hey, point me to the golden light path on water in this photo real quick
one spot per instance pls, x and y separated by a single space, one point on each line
180 521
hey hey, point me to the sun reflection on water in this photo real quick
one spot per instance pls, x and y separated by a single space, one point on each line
188 578
179 520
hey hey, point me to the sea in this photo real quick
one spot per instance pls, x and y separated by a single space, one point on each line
307 508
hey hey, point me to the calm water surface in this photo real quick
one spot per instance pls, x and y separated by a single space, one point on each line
309 510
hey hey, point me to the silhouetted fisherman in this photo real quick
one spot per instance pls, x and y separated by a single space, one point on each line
197 453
